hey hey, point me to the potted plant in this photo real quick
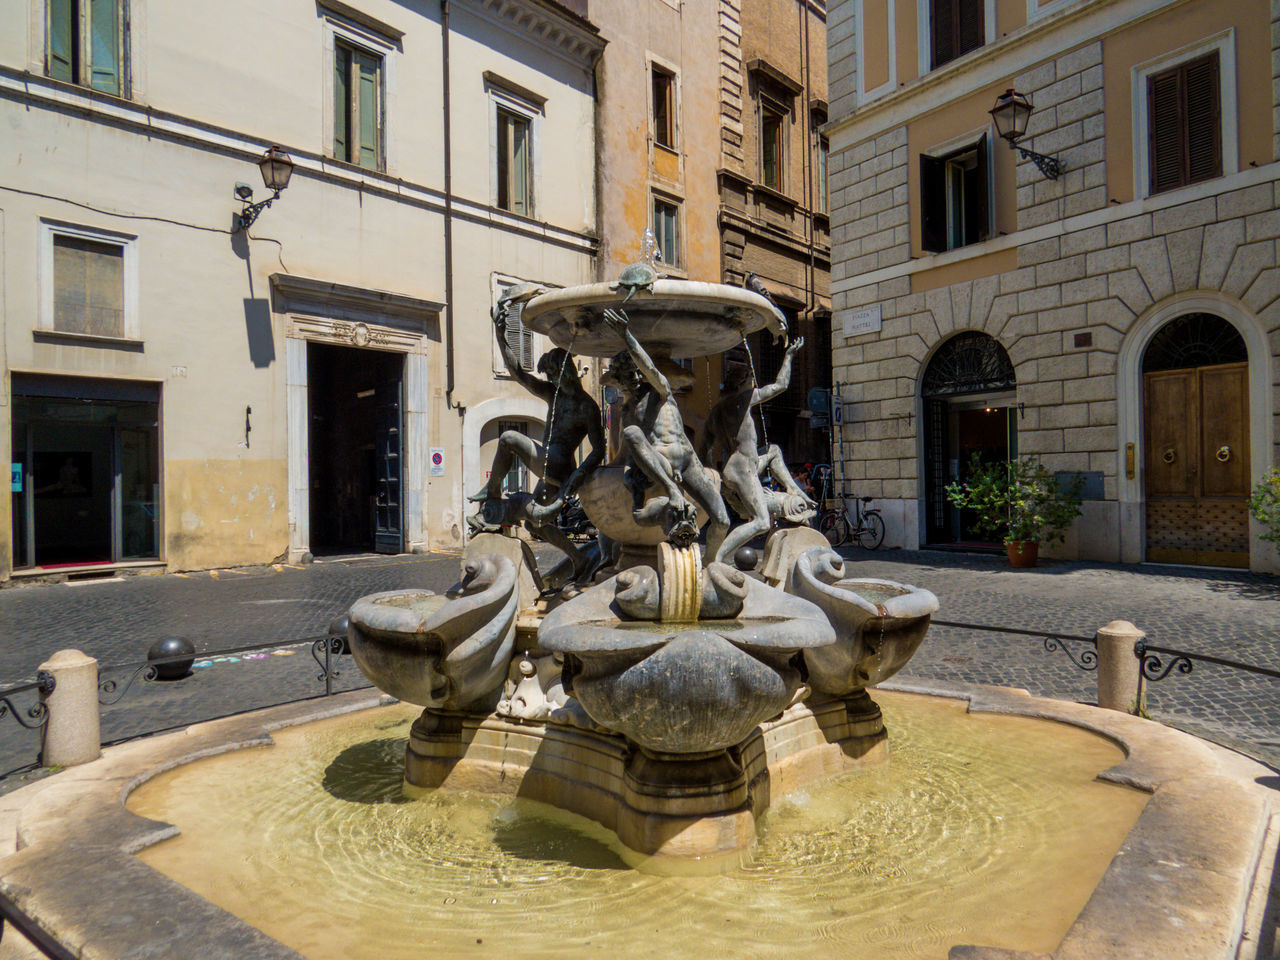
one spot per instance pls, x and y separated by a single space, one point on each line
1021 500
1265 504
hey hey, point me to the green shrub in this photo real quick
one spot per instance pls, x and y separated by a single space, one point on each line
1019 499
1265 504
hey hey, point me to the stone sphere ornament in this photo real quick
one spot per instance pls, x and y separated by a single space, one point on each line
172 647
746 558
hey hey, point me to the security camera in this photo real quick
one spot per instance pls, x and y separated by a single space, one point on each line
243 190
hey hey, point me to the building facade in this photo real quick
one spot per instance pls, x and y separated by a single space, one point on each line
1119 321
182 393
773 216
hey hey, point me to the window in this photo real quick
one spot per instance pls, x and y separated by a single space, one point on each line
955 197
1185 124
957 26
772 122
521 341
86 43
87 283
517 476
357 105
824 151
666 227
513 163
664 108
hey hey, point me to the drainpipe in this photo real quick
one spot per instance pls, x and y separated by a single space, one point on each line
448 208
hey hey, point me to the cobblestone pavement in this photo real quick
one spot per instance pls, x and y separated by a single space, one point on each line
1228 614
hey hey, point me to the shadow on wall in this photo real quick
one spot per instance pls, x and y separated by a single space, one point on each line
257 327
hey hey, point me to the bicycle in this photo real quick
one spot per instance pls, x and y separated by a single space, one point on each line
867 532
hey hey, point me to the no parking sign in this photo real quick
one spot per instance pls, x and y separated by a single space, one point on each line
437 461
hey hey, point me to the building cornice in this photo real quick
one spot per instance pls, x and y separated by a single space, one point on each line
995 63
768 233
42 92
574 38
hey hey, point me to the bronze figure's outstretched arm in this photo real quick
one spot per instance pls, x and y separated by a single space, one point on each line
780 385
617 321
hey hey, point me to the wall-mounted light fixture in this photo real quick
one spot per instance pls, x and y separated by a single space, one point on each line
277 168
1011 113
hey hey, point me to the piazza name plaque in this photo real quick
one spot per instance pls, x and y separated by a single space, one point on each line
863 320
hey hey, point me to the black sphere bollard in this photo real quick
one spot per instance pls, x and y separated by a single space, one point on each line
746 558
172 647
338 628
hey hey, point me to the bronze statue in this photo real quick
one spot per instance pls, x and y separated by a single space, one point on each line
732 427
658 450
572 416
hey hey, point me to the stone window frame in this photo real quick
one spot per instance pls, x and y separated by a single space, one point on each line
538 345
657 64
1224 44
131 325
383 43
511 98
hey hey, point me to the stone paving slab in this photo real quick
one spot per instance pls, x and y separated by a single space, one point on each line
1227 613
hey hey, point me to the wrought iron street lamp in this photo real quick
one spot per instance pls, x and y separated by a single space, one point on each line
1011 114
277 168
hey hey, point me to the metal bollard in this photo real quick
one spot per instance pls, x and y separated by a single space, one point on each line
72 734
1118 667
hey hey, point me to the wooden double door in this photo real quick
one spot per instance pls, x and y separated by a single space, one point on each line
1197 465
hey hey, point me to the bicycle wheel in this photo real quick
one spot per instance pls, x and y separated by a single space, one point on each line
835 528
871 533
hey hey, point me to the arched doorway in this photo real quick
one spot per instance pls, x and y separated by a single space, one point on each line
968 392
1195 387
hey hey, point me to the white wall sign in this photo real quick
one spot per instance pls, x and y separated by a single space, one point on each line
437 461
862 320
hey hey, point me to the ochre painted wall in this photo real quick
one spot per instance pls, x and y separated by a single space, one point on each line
1178 27
225 512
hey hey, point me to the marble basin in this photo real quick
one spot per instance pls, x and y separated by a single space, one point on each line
684 688
879 624
677 318
446 651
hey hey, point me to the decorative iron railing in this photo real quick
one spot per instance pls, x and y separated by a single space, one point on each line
1087 659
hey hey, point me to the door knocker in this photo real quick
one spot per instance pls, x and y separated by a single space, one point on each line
1170 456
1224 453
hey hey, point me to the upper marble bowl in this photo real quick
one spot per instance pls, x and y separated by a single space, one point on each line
677 318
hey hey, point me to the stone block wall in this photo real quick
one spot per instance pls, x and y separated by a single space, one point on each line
1098 281
842 67
869 208
1067 124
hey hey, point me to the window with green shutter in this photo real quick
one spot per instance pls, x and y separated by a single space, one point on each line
357 106
1184 124
85 43
513 163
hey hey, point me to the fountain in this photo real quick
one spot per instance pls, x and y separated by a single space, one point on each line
647 705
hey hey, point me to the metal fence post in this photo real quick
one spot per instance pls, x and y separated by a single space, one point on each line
1119 668
72 734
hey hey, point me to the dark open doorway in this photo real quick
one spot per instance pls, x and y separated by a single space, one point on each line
354 400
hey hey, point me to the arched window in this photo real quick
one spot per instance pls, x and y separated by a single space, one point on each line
1194 340
969 362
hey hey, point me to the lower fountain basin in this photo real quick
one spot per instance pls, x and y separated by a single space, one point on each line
315 846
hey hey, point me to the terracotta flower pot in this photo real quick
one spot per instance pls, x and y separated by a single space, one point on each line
1022 553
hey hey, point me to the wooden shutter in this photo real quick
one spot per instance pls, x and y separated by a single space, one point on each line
977 196
369 109
341 102
520 167
933 204
1184 120
971 32
519 339
943 22
104 45
1204 119
63 40
88 287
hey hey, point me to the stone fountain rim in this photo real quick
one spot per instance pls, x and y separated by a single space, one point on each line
65 838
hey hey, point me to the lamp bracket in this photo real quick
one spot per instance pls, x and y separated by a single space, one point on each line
1051 167
251 211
